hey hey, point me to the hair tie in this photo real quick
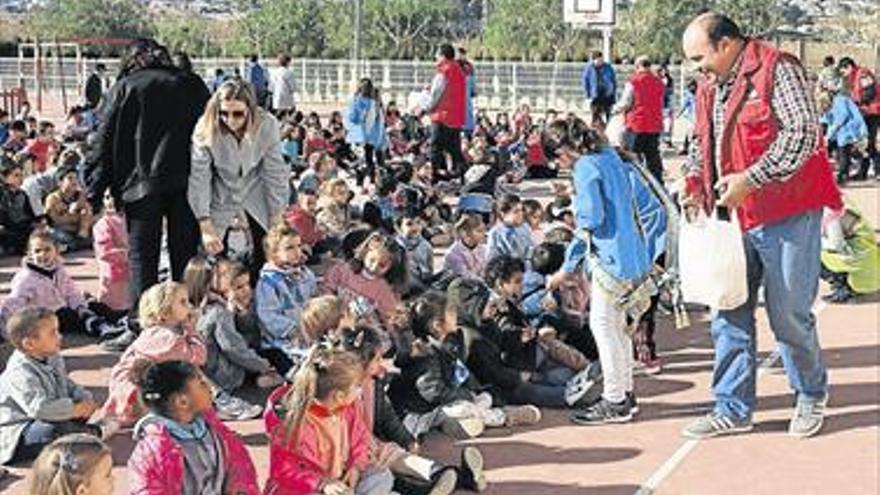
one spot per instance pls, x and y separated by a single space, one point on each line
67 461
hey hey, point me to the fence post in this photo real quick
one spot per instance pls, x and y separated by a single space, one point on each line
513 85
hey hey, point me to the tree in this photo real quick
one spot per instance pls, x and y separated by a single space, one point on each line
534 29
68 19
408 28
270 27
186 33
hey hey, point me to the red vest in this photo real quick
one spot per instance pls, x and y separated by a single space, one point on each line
750 128
452 107
646 114
855 87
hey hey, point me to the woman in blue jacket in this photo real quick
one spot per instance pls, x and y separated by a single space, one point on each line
620 227
845 128
365 125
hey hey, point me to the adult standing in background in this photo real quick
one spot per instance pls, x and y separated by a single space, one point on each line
470 91
864 89
94 87
237 170
600 88
142 154
447 106
255 74
757 148
282 83
642 104
364 122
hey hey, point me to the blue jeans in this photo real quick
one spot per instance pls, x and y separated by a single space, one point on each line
785 256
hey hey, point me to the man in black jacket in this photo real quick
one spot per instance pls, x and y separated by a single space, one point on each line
94 87
142 154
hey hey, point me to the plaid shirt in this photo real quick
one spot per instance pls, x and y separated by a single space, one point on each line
798 134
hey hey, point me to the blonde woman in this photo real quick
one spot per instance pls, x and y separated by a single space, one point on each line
237 170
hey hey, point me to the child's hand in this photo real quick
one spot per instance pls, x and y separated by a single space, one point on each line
528 334
546 333
548 303
351 478
84 409
414 448
337 488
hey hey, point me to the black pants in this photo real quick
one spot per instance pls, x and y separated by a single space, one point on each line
14 238
844 155
600 111
144 220
278 359
258 254
446 140
873 123
647 146
372 156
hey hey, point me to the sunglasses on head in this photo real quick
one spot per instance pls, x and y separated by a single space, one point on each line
235 114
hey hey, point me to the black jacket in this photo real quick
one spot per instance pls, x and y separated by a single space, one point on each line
386 424
511 321
143 143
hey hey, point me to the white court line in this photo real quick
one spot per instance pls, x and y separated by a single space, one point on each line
687 446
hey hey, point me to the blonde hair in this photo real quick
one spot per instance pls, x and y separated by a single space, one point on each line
200 274
233 89
328 369
276 233
66 463
321 315
156 302
329 187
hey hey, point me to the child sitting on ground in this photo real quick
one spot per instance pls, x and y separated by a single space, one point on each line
43 146
534 217
17 218
467 255
69 212
435 388
38 401
75 464
318 440
44 282
168 334
182 447
229 359
393 447
419 253
511 236
367 279
284 286
333 207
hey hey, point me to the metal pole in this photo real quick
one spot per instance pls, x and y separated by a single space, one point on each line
356 52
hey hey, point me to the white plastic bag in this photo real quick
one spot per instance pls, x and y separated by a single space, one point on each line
712 262
615 129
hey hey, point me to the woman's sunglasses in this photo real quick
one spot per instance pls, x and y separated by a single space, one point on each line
235 114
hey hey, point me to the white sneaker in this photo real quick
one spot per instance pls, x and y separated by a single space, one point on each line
494 417
483 400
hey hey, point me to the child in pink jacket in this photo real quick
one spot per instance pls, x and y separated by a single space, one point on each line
111 250
169 334
182 447
319 442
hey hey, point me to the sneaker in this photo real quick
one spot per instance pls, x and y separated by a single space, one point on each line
444 482
521 415
808 418
231 408
472 476
603 412
715 424
633 403
494 417
652 366
463 428
581 385
483 400
120 343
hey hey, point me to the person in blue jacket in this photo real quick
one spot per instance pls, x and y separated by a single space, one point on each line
845 128
620 233
600 87
364 123
470 90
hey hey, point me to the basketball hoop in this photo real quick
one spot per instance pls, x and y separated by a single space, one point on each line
584 14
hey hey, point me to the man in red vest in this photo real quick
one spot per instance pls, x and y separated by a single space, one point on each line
448 108
758 145
642 102
864 89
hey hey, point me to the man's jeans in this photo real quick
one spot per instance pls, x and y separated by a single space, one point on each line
785 256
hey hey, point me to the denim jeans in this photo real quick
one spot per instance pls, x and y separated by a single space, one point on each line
785 256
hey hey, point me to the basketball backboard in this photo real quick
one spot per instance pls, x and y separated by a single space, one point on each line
589 13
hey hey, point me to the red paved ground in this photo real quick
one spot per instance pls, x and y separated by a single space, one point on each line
559 458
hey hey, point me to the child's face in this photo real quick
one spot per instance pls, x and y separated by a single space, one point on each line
199 393
446 324
536 218
289 252
410 227
378 260
327 168
180 310
340 195
68 184
425 173
43 253
307 201
476 236
47 135
240 291
45 341
511 288
375 368
222 282
515 216
13 179
100 482
568 219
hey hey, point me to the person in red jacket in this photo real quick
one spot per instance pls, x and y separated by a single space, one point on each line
864 89
448 106
642 105
758 145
